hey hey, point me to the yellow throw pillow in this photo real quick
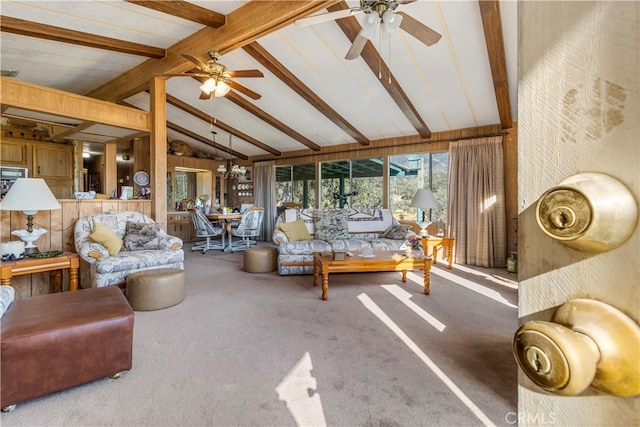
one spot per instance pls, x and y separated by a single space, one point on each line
295 230
107 238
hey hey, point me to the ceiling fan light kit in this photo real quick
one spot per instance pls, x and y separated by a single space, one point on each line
216 78
217 87
380 18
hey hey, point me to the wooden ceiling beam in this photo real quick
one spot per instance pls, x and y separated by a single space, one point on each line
70 131
369 54
244 25
49 32
28 96
172 100
185 10
261 55
270 120
209 142
492 24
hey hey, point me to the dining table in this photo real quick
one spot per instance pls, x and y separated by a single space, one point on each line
227 219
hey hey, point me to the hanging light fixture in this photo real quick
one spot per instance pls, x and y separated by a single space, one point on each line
234 171
382 19
215 85
383 22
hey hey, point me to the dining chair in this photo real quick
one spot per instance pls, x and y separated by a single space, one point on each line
204 228
248 230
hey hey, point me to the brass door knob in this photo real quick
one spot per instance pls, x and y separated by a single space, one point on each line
589 211
586 343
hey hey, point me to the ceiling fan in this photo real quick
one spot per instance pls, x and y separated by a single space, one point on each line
380 18
216 78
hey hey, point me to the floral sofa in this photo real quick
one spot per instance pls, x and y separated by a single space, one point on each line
327 230
115 244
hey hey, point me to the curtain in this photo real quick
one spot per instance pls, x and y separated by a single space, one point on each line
476 206
264 186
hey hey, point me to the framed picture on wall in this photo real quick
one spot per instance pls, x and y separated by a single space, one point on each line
247 177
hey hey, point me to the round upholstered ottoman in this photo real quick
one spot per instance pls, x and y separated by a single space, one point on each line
262 259
155 289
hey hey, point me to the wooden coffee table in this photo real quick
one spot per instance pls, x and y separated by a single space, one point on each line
324 264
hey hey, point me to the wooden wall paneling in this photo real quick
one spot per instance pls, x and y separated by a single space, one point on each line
70 214
42 219
5 226
88 209
56 230
40 283
22 286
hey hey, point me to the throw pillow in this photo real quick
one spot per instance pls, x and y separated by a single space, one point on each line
140 236
395 231
7 295
295 230
107 238
331 224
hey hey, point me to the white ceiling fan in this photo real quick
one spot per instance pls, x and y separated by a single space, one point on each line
380 18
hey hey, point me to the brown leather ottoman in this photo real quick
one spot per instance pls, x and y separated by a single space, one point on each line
53 342
262 259
155 289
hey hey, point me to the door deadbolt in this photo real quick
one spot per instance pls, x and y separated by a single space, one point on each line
586 343
588 211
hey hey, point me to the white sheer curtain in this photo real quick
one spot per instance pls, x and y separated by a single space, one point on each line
264 182
476 207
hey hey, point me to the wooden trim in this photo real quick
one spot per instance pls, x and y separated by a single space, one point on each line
297 264
439 141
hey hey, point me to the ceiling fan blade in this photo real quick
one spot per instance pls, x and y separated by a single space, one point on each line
204 95
246 73
418 30
243 89
329 16
195 60
356 47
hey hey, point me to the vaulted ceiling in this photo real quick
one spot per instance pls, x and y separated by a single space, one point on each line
310 97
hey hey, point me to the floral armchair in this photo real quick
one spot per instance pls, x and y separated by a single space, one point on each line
115 244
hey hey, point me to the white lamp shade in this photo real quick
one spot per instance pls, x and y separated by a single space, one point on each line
29 195
424 200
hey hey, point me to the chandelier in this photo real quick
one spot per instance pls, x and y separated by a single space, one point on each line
234 171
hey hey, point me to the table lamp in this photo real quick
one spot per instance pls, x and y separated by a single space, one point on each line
29 195
424 200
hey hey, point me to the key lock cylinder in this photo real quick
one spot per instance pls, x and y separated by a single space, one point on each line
587 342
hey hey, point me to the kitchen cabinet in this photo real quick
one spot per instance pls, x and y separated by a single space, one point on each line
179 224
53 162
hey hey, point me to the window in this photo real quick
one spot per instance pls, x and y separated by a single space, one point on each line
352 183
408 173
296 184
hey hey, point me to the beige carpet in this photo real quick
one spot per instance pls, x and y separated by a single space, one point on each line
264 350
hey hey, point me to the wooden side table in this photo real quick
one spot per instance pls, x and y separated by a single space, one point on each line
430 245
55 265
